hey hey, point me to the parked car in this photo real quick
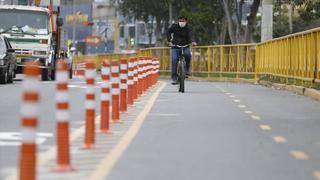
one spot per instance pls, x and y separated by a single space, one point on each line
7 61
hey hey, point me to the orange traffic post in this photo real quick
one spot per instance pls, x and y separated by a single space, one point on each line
154 71
153 81
150 72
105 97
157 69
79 69
62 117
29 120
115 91
147 73
135 78
90 106
144 68
130 81
123 84
140 77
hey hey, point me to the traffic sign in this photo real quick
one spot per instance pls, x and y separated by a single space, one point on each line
93 40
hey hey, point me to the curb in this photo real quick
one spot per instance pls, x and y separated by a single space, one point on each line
309 92
231 80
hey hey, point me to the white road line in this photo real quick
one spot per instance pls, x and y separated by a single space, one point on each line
228 93
103 169
237 100
299 155
232 96
248 112
256 117
279 139
242 106
265 127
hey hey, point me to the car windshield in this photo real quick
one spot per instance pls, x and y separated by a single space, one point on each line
23 22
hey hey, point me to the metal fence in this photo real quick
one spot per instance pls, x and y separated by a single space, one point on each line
292 58
211 61
295 57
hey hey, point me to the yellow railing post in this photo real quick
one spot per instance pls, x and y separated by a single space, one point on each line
192 61
238 61
209 61
221 61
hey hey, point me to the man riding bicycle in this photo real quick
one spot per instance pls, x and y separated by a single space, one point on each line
180 35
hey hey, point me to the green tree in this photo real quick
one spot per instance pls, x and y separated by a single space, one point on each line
205 17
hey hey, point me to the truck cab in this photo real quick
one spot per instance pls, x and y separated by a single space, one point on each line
30 32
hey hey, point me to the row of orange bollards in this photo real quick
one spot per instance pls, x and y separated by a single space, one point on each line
121 85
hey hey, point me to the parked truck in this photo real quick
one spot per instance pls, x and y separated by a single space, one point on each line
34 33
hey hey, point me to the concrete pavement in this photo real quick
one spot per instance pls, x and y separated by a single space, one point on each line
10 96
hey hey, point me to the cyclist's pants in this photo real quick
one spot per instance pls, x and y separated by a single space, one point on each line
175 58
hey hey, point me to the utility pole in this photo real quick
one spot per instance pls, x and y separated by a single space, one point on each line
267 20
74 23
136 38
116 28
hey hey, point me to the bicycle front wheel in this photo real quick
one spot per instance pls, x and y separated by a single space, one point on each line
182 76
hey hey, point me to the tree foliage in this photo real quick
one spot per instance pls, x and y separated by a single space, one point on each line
225 21
205 16
305 15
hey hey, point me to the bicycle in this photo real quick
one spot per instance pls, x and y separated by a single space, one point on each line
181 68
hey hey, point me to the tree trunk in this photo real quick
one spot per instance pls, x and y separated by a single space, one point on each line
222 37
227 11
158 31
150 31
251 21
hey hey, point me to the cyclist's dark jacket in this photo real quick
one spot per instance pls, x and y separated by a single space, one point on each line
181 36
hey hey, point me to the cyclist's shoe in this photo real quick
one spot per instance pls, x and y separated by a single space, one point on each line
174 82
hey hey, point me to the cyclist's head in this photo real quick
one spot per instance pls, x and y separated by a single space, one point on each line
182 20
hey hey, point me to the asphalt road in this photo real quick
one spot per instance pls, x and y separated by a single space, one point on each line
213 131
10 124
225 131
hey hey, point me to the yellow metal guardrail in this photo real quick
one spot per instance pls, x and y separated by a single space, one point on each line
293 58
100 57
212 61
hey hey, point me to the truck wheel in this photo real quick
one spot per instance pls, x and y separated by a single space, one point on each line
53 74
3 76
45 74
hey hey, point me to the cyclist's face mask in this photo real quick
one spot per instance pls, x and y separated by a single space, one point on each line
182 23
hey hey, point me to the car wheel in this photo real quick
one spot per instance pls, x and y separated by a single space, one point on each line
3 76
10 76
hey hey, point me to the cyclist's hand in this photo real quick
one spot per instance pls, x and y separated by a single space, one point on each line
171 44
194 43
